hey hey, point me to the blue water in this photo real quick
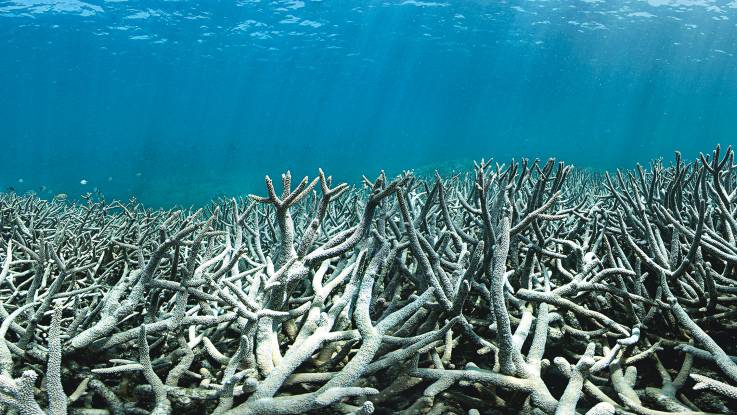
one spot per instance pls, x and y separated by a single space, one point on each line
177 102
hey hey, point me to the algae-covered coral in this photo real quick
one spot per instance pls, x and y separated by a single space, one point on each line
525 287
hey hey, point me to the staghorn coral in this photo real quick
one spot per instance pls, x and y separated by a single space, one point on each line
520 288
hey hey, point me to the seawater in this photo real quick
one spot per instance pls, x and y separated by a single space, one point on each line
177 102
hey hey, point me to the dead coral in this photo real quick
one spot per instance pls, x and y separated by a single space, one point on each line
525 287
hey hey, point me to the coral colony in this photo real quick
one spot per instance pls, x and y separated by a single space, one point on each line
528 287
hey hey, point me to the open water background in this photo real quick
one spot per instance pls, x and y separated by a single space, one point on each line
177 102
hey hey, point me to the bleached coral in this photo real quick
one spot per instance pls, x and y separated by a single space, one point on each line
527 287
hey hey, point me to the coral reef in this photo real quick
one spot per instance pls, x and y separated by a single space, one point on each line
522 288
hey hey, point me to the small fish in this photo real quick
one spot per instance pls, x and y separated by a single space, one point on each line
83 182
42 188
60 197
20 180
110 178
138 174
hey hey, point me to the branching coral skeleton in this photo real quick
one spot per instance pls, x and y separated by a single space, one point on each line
522 288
